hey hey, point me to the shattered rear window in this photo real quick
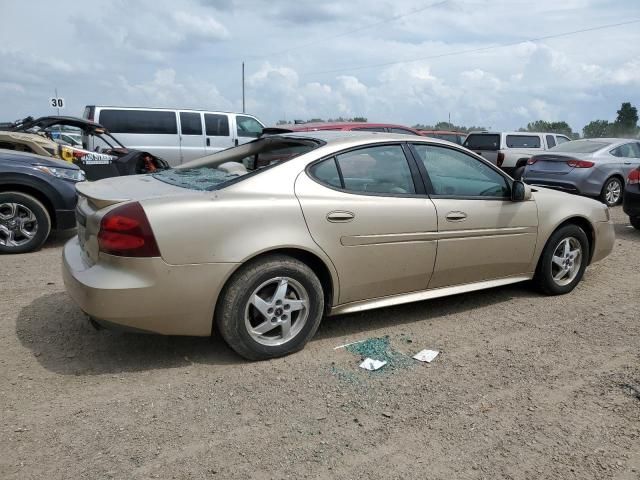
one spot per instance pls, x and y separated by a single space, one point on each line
196 178
231 165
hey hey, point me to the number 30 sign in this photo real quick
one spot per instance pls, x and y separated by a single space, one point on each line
56 102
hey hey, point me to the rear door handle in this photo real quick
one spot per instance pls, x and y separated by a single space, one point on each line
340 216
456 216
208 142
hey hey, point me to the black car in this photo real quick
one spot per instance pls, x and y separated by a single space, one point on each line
37 195
631 199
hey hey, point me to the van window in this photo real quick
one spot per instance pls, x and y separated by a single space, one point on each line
551 142
190 123
139 121
248 126
523 141
217 125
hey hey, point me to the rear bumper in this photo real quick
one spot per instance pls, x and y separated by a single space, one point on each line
605 239
631 202
145 294
580 181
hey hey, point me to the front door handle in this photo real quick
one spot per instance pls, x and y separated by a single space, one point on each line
208 142
340 216
456 216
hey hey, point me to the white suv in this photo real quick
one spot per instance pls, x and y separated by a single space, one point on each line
511 150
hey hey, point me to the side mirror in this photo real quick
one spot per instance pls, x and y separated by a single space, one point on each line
520 191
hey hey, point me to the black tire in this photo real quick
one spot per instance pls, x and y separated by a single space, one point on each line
234 304
41 227
635 221
603 194
543 278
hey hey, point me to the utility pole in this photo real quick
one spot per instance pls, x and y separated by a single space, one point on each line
243 87
449 119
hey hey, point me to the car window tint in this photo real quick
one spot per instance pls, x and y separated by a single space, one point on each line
551 142
190 123
403 131
217 125
248 127
371 129
483 141
453 173
327 173
523 141
139 121
381 169
560 139
449 137
636 149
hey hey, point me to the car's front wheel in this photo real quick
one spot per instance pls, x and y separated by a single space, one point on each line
611 194
563 261
24 223
271 307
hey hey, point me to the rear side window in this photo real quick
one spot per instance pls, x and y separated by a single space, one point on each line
217 125
371 129
523 141
139 121
373 170
403 131
628 150
190 123
248 127
551 142
483 141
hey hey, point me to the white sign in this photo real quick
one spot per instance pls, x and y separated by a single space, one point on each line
56 102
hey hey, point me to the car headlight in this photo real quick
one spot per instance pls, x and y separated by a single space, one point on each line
75 175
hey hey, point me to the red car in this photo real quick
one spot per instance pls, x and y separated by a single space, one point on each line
359 126
450 136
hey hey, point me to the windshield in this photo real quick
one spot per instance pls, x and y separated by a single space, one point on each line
581 146
483 141
220 169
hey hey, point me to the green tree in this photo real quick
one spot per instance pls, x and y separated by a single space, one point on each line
359 119
597 129
550 127
627 122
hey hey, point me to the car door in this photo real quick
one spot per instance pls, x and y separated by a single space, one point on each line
366 210
247 128
217 132
627 158
483 235
191 136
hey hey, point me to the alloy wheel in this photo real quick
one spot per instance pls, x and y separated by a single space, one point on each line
566 261
613 192
18 224
277 311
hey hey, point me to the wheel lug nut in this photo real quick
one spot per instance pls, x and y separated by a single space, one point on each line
286 307
270 311
278 302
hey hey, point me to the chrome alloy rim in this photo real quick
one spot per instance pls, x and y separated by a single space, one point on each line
566 261
613 192
276 311
18 224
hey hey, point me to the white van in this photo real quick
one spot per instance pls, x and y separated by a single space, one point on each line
176 136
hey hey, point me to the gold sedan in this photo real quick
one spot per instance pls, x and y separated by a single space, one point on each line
260 241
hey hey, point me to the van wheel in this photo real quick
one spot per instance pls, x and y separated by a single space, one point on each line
563 261
24 223
270 308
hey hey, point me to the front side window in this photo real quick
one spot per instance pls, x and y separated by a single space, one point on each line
523 141
248 127
456 174
217 125
562 139
190 123
374 170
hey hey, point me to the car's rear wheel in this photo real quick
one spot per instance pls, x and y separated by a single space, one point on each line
270 307
24 223
611 194
635 221
563 261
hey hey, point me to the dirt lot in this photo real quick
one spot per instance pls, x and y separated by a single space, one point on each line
526 386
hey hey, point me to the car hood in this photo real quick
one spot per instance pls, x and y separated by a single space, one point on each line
548 199
110 191
11 156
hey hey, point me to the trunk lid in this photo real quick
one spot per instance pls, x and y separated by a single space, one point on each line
552 164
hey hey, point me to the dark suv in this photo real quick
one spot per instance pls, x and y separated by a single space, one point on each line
37 195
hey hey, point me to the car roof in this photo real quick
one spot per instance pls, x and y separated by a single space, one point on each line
119 107
450 132
350 137
517 133
331 125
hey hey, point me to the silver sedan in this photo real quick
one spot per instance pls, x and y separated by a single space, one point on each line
592 167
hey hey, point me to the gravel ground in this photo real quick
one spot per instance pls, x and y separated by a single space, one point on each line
525 386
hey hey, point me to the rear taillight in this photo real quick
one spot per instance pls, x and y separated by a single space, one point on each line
579 163
500 159
125 232
634 177
532 160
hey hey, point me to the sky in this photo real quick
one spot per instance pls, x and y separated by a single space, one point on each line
486 63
